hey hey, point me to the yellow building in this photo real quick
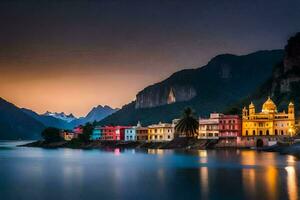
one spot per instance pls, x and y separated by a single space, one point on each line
268 122
161 132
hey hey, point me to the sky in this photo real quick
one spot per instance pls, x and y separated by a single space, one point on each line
73 55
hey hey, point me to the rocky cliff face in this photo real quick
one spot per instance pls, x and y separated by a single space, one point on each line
166 94
223 81
225 75
284 84
286 76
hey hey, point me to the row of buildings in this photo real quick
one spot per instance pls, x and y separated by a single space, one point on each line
251 129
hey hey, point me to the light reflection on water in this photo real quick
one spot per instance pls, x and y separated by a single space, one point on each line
146 174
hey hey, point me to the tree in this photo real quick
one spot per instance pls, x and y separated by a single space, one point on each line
87 132
51 134
188 123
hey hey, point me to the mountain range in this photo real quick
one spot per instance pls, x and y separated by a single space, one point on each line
22 123
225 79
226 84
16 124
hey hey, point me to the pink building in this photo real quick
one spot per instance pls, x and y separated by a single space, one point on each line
77 131
113 132
230 126
230 130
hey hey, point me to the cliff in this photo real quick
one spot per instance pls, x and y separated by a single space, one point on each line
284 84
225 79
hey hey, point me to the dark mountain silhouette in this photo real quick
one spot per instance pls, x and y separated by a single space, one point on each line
15 124
225 79
284 84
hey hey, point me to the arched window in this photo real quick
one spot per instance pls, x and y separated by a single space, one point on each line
281 132
260 133
267 132
253 132
246 132
276 132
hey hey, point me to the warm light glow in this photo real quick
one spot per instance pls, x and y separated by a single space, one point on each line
292 183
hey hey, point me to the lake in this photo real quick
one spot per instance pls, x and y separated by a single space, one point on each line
36 173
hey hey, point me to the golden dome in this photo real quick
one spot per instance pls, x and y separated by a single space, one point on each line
291 104
269 106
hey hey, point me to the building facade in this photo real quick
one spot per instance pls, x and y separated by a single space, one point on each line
67 135
209 127
230 129
130 134
161 132
77 131
141 132
97 133
269 123
113 132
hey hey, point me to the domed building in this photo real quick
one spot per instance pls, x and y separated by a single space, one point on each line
269 123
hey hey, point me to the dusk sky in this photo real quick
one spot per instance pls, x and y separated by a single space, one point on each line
73 55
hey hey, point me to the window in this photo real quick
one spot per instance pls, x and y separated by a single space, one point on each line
253 132
169 136
260 133
276 132
267 132
281 132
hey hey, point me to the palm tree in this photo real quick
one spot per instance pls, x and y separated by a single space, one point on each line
188 123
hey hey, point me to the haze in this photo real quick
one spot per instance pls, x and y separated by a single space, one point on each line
73 55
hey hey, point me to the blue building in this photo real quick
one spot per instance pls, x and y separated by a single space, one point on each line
97 133
130 134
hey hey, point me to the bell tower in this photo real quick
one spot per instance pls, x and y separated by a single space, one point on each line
291 111
251 109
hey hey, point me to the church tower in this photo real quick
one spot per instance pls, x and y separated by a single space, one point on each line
251 109
291 111
245 112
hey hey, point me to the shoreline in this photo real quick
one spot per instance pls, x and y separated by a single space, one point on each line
179 144
176 144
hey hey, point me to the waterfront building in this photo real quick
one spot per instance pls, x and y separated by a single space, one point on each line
209 127
67 135
161 132
141 132
97 133
113 132
77 131
230 128
267 125
130 134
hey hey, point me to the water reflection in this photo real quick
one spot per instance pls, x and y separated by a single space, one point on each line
292 185
165 174
204 182
202 156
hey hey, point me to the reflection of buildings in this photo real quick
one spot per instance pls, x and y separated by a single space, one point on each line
292 184
269 124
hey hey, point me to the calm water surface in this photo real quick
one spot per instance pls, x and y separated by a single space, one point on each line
35 173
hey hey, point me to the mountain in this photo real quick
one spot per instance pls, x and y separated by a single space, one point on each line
15 124
48 120
100 112
284 84
62 116
225 79
63 121
96 114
